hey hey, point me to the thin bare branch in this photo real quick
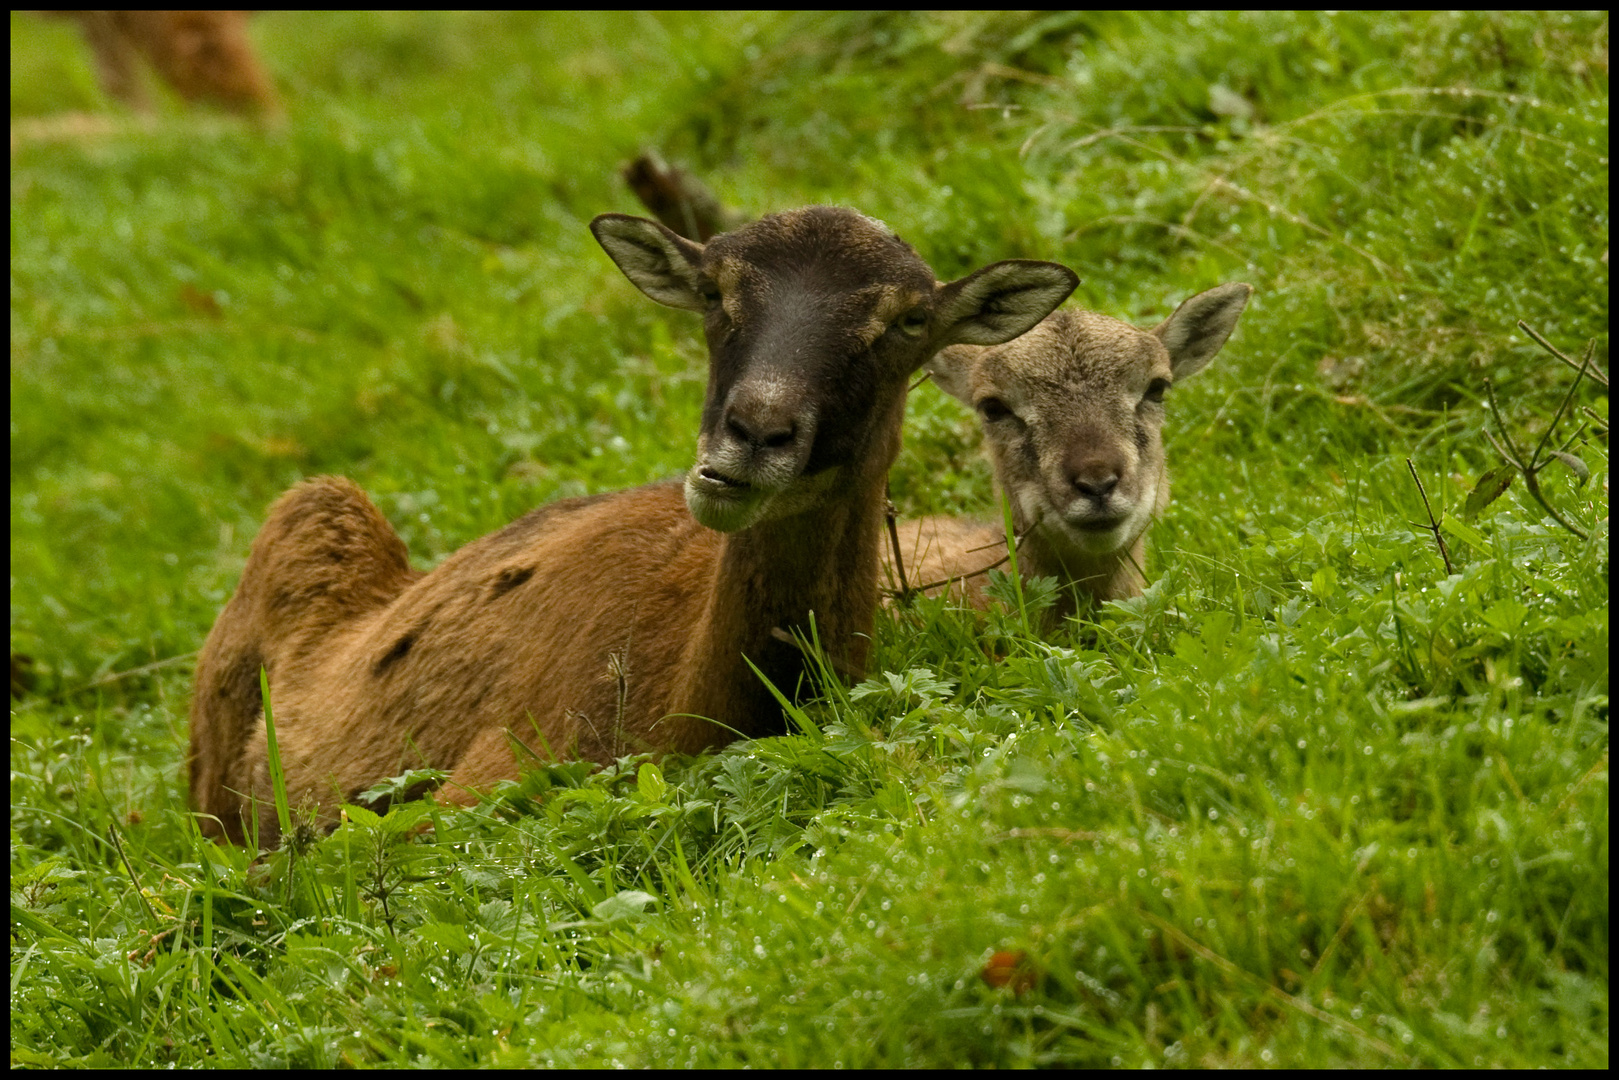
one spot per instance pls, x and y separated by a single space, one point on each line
1572 439
1585 361
1017 543
1549 347
1433 524
963 577
1531 467
1499 449
1515 458
1532 482
893 538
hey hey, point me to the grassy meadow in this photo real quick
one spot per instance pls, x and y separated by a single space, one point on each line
1316 799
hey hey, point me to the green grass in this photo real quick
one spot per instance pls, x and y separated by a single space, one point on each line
1311 801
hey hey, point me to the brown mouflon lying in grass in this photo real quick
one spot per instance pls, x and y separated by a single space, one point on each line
623 622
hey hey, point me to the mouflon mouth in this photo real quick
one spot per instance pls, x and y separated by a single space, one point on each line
1099 524
720 502
721 482
1099 534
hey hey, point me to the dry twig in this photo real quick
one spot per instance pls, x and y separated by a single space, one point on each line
1433 525
1531 464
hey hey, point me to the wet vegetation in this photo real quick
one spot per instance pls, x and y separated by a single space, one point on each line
1316 799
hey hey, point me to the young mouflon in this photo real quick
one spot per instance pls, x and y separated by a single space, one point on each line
1072 414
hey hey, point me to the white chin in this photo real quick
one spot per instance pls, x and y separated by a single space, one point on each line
722 510
1094 543
1098 543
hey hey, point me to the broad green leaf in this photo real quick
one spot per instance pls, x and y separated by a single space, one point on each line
452 937
1507 616
629 904
649 782
361 816
1468 535
1490 487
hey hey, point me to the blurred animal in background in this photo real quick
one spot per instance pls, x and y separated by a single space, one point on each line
678 199
202 55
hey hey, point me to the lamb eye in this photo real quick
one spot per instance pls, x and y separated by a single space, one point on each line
993 410
913 322
1156 389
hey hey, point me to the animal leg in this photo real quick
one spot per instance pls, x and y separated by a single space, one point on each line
117 63
204 55
325 557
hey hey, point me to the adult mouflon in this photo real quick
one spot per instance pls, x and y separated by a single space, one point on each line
626 621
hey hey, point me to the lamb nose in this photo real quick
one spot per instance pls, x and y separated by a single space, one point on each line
1095 485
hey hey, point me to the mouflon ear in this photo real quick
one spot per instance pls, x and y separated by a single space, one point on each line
1001 301
1199 327
951 368
657 260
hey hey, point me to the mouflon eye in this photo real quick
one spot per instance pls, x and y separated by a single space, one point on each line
993 410
1156 389
914 321
709 291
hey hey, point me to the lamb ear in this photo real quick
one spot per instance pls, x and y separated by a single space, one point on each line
951 368
1001 301
657 260
1199 327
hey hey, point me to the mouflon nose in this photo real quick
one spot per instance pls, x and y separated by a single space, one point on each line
762 429
765 418
1093 475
